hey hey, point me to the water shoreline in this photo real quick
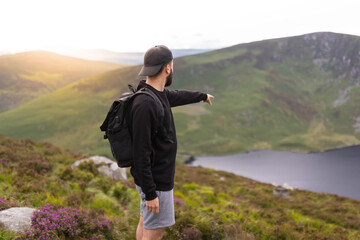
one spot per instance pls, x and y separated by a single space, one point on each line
334 171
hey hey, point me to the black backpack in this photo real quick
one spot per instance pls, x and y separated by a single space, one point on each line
116 125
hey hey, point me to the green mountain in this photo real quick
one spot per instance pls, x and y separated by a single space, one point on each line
298 93
209 204
27 75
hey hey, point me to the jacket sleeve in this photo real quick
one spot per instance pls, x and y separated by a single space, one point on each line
143 122
183 97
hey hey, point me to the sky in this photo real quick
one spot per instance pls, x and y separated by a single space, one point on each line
135 26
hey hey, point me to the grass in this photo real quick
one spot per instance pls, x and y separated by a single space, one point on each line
209 203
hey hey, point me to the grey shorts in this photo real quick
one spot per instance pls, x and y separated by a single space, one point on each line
166 216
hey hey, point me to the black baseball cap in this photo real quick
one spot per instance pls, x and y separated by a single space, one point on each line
154 59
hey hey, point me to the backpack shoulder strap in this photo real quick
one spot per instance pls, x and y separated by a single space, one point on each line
150 93
160 108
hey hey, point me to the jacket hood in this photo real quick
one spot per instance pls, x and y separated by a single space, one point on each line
142 84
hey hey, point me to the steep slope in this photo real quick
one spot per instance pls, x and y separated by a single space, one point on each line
214 204
298 93
27 75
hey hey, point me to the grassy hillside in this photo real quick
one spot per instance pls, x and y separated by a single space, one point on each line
208 203
299 93
27 75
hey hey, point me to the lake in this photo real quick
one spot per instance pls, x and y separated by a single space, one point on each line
334 171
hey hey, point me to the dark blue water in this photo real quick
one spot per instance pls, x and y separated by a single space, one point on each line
336 171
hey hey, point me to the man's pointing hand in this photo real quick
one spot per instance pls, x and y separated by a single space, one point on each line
208 100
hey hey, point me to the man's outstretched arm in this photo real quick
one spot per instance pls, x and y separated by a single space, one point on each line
183 97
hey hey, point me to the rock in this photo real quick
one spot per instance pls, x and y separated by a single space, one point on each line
106 167
16 218
190 160
281 192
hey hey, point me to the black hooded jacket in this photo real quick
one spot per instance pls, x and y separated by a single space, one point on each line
153 154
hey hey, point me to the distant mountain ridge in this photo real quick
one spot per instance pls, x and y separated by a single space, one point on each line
131 58
298 93
27 75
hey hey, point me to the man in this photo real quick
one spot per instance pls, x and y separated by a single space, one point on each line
154 153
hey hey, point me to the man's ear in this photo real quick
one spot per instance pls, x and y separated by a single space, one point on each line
168 68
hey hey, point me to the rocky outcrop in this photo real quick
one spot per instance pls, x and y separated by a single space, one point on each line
343 97
337 53
105 166
16 218
281 192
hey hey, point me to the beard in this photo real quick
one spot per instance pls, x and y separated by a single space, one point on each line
169 79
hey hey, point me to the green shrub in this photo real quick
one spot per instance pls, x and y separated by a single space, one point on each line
101 183
88 166
191 186
82 175
66 173
85 172
77 198
122 193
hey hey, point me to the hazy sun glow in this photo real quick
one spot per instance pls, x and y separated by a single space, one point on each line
119 25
